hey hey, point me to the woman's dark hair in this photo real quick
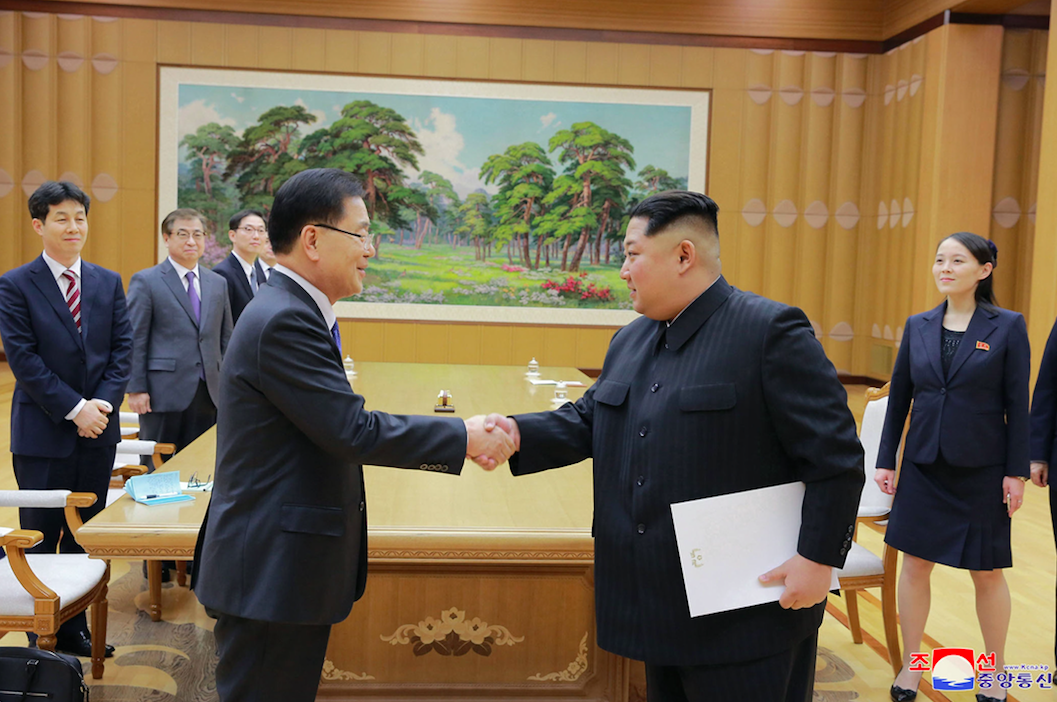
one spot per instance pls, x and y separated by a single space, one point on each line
984 251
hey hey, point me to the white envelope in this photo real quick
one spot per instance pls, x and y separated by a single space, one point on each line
727 542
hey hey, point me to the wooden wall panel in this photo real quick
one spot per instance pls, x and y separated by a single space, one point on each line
806 151
1015 192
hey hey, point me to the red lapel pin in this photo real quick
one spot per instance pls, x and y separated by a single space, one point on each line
983 346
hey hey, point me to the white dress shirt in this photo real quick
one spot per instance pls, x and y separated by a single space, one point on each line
182 272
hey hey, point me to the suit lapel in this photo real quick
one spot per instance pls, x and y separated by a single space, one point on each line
50 290
980 327
210 290
931 335
244 281
172 280
286 283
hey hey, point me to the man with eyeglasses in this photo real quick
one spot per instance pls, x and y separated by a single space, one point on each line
181 321
247 232
282 553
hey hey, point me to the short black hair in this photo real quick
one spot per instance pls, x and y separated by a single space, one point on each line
52 193
236 219
665 209
182 213
317 195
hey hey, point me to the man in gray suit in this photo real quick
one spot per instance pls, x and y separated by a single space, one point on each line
181 321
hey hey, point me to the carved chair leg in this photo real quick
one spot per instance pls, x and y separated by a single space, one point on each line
46 642
99 614
853 615
154 586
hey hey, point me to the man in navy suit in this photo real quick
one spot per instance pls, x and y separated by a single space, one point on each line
282 554
712 391
247 233
68 340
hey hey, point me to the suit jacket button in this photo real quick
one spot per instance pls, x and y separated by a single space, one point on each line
641 528
943 391
640 480
363 506
655 387
643 431
844 552
444 468
424 466
851 530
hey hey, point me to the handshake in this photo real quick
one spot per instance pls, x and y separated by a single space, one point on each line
491 440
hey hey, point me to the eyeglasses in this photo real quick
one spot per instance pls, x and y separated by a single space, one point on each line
184 235
254 230
194 482
365 239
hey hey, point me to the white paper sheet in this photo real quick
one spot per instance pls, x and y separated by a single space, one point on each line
727 542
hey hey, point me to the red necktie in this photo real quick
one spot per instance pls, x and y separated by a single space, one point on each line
73 297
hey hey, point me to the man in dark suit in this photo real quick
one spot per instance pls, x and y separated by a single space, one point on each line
1044 429
247 232
181 321
69 343
283 553
265 262
713 391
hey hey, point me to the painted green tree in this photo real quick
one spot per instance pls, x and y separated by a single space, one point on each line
209 148
444 199
525 176
474 221
265 158
373 143
594 158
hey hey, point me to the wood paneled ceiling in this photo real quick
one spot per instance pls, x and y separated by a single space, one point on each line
848 20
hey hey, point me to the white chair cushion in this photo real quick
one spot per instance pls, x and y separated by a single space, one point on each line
135 447
70 575
33 498
861 562
873 502
129 431
113 494
128 418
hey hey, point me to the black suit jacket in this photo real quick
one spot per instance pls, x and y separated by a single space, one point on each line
239 291
736 395
977 415
54 364
285 537
1044 408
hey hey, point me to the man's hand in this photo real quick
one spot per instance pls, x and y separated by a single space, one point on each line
507 424
485 446
91 420
139 402
886 480
806 582
1040 473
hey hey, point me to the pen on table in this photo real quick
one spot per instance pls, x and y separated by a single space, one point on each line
150 497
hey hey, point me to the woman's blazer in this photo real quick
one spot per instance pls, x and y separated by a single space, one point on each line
977 415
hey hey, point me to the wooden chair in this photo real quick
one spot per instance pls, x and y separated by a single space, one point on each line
40 591
129 425
864 568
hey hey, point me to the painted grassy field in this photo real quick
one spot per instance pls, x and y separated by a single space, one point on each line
439 274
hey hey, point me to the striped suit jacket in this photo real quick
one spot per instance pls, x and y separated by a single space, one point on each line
736 394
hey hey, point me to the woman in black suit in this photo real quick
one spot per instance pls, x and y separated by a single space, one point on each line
965 365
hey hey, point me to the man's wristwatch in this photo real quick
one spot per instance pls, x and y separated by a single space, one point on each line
1023 479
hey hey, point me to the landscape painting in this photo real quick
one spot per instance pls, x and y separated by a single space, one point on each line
509 200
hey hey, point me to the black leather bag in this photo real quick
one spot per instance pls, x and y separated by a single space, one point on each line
32 675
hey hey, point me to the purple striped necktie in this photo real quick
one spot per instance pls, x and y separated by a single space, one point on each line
73 296
196 302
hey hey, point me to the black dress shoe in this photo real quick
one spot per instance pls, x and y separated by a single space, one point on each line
900 694
80 645
984 698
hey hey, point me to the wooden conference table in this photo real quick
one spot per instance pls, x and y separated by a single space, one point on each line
480 585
